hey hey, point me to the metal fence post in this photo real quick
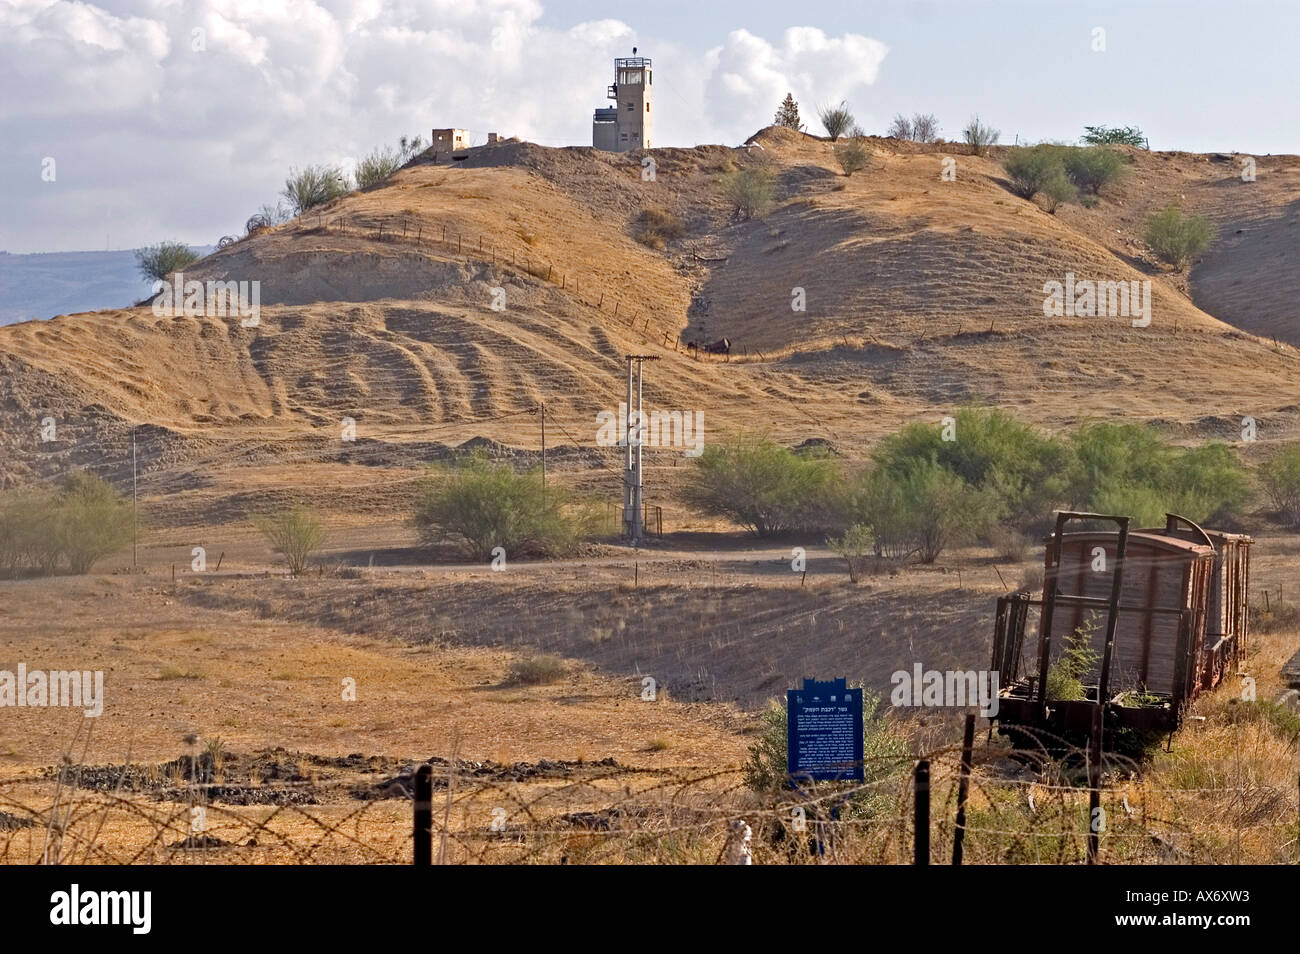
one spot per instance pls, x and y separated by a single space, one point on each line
921 812
423 815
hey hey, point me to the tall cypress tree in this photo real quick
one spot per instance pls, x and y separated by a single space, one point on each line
788 114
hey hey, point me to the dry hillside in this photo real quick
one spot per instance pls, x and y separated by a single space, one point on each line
921 294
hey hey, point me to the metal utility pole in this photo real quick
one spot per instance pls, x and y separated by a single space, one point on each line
135 508
633 511
543 448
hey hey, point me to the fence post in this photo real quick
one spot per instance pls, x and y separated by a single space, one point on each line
921 812
1094 785
963 788
423 816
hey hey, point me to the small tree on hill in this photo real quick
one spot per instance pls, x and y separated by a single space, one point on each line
1092 167
91 521
852 156
900 128
979 136
787 114
157 262
1121 136
925 127
295 532
1177 237
750 190
835 119
380 163
313 186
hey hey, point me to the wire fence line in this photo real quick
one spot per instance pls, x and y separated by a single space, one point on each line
1021 809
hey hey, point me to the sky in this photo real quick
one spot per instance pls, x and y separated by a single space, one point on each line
126 122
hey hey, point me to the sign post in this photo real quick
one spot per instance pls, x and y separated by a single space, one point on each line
824 732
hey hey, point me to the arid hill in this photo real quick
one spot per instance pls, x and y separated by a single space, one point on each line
453 300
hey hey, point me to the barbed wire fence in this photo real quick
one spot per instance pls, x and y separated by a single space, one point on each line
956 804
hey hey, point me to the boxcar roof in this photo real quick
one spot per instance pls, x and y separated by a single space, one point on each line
1158 540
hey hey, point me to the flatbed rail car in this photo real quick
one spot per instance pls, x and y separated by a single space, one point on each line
1162 611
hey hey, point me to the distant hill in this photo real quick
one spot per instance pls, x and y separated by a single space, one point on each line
46 284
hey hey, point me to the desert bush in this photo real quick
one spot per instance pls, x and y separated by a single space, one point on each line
856 547
1031 168
535 671
657 226
1176 237
479 505
409 146
92 521
1119 136
852 156
27 538
761 485
1025 471
900 128
750 190
1056 190
314 186
979 136
787 114
377 165
836 120
1092 167
917 508
295 532
1280 478
157 262
1129 469
925 127
922 127
885 752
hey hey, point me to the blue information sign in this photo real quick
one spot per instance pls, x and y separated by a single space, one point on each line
824 732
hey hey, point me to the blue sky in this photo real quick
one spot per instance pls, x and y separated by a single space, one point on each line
153 137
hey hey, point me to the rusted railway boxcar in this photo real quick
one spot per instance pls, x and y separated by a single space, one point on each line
1130 624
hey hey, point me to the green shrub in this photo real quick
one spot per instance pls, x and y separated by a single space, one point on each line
835 119
979 136
157 262
1129 469
1056 190
92 521
314 186
855 547
1025 471
479 505
885 752
852 156
1092 167
1119 136
1280 478
380 163
750 191
1032 167
761 485
1065 675
294 532
1176 237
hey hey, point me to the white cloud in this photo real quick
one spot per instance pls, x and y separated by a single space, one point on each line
154 139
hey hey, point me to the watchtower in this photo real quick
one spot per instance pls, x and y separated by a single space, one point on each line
628 124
